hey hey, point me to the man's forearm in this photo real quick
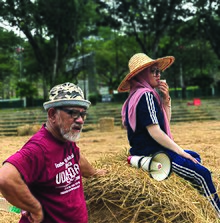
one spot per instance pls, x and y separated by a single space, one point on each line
87 170
14 189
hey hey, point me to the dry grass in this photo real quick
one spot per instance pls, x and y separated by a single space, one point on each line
127 195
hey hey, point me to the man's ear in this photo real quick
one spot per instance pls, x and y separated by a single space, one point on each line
52 113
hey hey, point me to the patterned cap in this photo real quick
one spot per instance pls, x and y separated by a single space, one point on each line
66 94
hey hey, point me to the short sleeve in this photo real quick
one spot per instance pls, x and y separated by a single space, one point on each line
29 161
147 110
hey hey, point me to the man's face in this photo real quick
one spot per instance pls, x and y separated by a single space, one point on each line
70 122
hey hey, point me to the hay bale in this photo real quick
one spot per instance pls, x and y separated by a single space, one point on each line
106 124
127 194
26 130
34 128
23 130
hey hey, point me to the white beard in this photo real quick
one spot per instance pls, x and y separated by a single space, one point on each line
73 137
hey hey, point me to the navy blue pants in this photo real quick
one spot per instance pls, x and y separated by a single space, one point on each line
197 174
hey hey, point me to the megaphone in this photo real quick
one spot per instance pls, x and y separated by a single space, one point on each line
158 165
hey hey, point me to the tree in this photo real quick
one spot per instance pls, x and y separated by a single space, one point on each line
208 12
147 21
112 53
193 52
52 27
165 28
8 64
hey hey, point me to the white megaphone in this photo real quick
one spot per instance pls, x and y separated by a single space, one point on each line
158 165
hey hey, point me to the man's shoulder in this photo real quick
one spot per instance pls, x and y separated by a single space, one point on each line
40 139
39 136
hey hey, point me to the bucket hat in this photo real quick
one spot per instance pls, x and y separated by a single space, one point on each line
139 62
66 94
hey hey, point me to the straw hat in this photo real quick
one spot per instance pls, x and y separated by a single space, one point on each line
139 62
66 94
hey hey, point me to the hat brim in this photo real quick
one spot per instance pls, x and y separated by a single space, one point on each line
162 63
66 102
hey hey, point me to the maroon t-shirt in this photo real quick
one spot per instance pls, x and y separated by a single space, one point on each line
50 168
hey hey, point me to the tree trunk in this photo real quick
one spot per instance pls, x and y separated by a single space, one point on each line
55 62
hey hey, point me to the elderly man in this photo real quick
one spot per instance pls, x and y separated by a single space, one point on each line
44 178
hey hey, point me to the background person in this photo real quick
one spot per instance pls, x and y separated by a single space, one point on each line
146 117
44 177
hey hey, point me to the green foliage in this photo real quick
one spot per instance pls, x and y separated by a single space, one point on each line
147 21
202 81
57 30
8 42
112 53
188 88
9 66
52 28
94 98
25 89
